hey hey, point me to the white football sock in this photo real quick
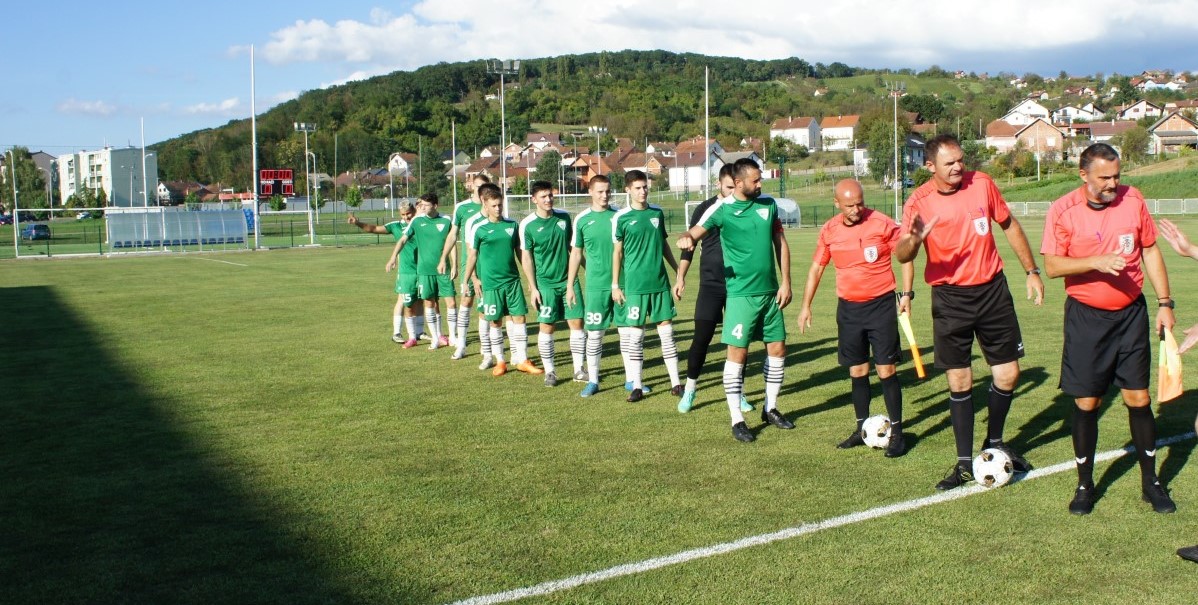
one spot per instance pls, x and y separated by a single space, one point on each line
594 353
775 369
518 333
547 349
578 349
669 351
733 388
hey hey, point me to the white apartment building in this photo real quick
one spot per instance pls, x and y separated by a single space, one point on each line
117 171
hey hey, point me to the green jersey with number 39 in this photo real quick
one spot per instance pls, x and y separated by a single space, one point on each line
592 233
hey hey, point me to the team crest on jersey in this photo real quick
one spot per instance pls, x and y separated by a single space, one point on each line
561 225
1127 243
440 227
654 222
764 213
982 225
509 231
871 254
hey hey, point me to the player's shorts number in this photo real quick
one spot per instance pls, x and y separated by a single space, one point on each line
546 311
407 299
738 331
594 318
490 309
634 313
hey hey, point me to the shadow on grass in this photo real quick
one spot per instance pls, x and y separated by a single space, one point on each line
109 498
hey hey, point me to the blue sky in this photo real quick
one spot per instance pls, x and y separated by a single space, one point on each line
79 75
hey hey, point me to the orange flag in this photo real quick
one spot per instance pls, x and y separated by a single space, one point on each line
1168 382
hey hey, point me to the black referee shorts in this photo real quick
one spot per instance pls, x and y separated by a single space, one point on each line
1104 348
959 313
709 304
861 325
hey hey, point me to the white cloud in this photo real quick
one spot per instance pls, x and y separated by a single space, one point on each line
89 108
902 32
228 107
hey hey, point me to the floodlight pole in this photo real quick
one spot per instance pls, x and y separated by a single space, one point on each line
305 128
311 229
896 91
16 216
495 66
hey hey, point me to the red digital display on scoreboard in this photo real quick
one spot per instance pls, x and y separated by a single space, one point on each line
275 181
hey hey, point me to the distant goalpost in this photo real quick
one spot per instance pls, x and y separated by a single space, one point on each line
521 205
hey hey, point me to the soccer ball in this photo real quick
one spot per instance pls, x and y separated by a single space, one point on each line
993 468
875 431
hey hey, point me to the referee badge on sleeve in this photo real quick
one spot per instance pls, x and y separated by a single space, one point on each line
982 225
871 254
1127 243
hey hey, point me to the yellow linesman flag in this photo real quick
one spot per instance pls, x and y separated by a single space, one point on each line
1168 382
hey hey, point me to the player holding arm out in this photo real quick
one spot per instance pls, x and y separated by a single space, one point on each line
405 279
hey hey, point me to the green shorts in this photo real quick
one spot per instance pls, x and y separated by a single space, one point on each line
639 309
597 310
432 287
503 301
405 287
750 318
553 304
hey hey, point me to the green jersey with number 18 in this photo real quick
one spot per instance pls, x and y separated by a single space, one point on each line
643 233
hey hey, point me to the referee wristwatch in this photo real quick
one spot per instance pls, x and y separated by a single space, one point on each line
909 294
1033 271
1165 302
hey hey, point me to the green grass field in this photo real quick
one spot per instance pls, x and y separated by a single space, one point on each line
240 428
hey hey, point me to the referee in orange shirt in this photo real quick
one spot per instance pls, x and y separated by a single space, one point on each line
859 242
1102 240
951 216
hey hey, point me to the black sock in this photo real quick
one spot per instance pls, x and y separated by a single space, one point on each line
700 341
1143 435
960 409
999 405
892 394
1085 442
861 397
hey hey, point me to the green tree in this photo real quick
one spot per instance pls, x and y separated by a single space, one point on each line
31 185
353 197
520 185
879 129
928 106
548 167
277 202
1133 144
101 199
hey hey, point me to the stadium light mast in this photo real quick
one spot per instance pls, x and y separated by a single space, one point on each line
16 216
896 90
305 128
511 68
311 204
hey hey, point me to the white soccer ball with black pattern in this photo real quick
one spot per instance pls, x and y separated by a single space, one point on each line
875 431
993 468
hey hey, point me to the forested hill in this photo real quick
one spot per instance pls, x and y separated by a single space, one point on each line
642 95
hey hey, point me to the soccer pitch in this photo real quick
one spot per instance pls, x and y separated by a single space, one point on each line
240 428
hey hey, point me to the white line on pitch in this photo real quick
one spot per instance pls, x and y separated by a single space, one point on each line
216 261
628 569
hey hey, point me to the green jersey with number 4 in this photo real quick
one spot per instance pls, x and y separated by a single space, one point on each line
747 236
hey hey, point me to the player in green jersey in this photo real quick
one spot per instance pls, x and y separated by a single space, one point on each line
463 214
491 260
428 232
545 254
640 287
405 280
592 242
752 240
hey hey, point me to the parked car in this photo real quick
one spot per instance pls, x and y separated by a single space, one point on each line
35 231
5 219
83 216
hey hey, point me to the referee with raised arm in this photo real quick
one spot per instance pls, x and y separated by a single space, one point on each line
951 215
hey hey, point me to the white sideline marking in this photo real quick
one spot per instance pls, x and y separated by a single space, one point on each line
628 569
216 261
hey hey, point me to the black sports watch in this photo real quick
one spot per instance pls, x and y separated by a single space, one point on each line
1034 271
1166 303
909 294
